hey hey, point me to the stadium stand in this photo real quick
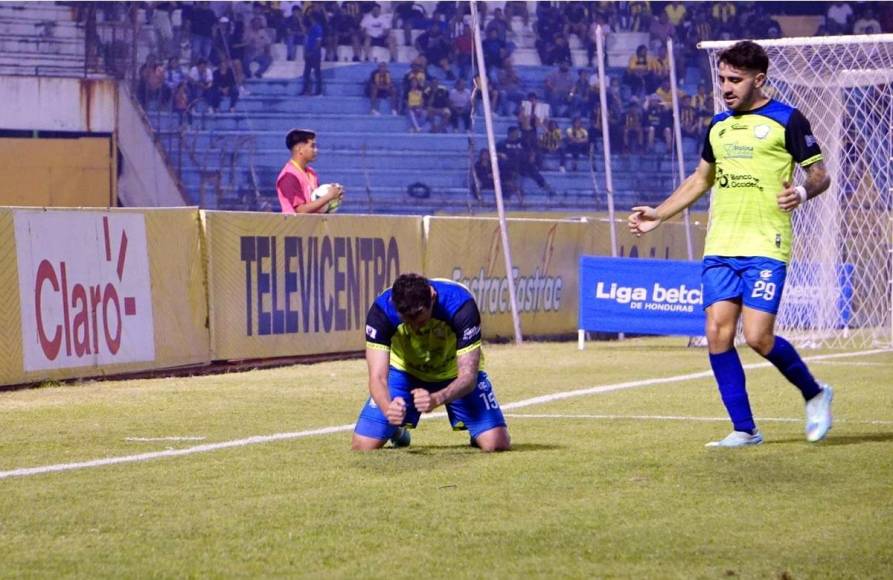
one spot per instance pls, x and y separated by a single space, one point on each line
229 159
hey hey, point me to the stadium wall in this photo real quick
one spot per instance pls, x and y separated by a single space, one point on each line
102 292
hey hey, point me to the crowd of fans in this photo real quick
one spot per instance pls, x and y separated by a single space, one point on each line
229 42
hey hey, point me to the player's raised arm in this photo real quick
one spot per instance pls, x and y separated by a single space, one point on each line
645 218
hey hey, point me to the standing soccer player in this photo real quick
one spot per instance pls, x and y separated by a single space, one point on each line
423 350
749 156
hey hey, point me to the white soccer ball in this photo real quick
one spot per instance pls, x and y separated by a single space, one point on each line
324 190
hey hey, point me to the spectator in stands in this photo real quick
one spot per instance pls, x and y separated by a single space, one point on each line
559 90
201 78
548 26
583 94
724 12
675 12
223 85
257 49
576 19
537 112
483 172
202 23
552 144
839 18
343 30
639 73
661 29
518 9
658 121
180 103
511 90
517 161
499 24
437 98
376 28
410 16
173 75
416 72
415 104
495 52
577 143
313 53
381 85
559 51
297 180
463 45
460 105
293 32
702 101
435 47
633 131
867 22
151 88
639 16
689 119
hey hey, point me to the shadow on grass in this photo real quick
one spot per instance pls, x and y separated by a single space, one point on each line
516 448
840 439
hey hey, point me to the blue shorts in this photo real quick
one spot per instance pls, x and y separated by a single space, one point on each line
757 282
478 411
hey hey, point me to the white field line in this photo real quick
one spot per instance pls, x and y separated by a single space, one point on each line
152 439
258 439
675 418
842 363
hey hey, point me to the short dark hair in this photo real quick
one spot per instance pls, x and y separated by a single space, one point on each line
411 294
747 55
297 136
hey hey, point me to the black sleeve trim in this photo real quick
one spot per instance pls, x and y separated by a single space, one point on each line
799 139
379 328
466 324
707 150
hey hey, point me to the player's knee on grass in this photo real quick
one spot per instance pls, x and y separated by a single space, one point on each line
363 443
494 440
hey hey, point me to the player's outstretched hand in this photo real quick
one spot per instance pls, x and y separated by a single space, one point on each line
788 198
643 220
422 400
396 412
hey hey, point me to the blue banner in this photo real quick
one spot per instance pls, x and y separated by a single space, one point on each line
641 296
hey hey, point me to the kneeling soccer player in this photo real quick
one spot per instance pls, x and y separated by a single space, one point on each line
423 350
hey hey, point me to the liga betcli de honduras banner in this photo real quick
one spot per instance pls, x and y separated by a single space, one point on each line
641 296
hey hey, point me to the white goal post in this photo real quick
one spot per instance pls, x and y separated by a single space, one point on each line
839 291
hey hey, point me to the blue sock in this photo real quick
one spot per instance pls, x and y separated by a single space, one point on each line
730 377
785 358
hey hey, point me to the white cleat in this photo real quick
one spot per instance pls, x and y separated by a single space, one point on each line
818 415
738 439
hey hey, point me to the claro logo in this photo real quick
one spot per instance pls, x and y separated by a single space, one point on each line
85 289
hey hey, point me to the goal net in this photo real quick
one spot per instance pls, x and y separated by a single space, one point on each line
838 290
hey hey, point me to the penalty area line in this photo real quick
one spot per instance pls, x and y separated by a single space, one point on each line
259 439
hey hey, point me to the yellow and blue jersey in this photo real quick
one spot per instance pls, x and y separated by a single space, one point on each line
429 355
754 154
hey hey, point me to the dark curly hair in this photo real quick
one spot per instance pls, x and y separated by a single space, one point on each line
747 55
411 294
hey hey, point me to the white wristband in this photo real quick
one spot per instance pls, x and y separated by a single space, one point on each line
801 191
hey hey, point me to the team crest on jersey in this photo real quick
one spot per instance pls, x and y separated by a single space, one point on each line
765 274
761 131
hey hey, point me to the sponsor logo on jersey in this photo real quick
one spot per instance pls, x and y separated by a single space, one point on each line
765 274
471 332
810 141
371 332
761 131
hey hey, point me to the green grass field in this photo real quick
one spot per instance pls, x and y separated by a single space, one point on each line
613 483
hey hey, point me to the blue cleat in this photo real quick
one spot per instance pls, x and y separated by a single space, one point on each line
738 439
818 415
401 438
